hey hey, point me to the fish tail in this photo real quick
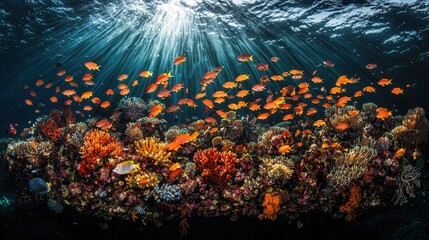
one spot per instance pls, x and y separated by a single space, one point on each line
251 58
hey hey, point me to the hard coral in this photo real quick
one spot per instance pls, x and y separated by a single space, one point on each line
152 148
97 145
217 168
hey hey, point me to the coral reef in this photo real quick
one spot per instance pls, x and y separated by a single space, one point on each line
352 204
407 181
271 206
278 169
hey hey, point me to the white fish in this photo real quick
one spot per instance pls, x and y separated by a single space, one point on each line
126 167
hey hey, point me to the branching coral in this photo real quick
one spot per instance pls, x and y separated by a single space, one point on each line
353 203
132 107
133 131
271 206
51 130
353 164
278 169
217 168
407 181
154 149
97 145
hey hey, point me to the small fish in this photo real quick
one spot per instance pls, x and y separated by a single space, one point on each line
400 153
245 57
39 186
92 66
397 91
328 63
179 60
371 66
12 130
145 74
126 167
275 59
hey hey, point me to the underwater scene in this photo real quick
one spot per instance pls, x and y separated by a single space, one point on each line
202 119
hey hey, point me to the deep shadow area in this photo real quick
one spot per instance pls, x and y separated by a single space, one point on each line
410 221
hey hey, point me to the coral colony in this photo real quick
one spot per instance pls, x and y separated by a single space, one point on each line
187 170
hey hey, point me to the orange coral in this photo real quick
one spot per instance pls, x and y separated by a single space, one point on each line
51 130
217 168
271 206
353 203
98 144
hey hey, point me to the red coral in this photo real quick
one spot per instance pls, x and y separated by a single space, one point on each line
217 168
98 144
353 203
51 130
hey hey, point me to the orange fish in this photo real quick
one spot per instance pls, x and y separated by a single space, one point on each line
39 82
92 66
397 91
245 57
163 78
296 72
277 77
259 87
135 83
242 93
219 100
262 67
383 113
109 91
254 106
220 94
87 77
342 80
311 111
179 60
208 103
151 88
317 80
87 108
53 99
358 94
242 77
177 87
172 108
33 94
28 102
221 113
155 111
342 126
122 77
124 91
164 93
61 72
86 95
263 116
104 124
96 100
69 92
145 74
319 123
384 82
400 153
285 149
68 102
369 89
73 84
200 95
229 85
105 104
69 78
288 117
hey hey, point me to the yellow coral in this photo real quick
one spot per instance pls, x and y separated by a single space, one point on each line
152 148
278 169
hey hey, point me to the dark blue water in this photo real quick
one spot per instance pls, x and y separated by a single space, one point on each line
39 38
